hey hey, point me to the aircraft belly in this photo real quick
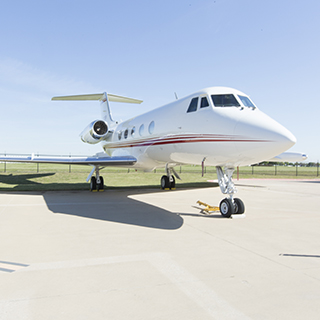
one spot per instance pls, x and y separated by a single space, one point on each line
143 159
214 153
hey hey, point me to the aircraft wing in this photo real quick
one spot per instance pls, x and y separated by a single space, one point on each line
289 157
93 160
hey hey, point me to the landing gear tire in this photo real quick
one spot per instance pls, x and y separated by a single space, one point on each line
93 184
173 183
226 208
165 183
238 206
100 186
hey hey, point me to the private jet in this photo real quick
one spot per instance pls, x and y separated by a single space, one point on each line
216 126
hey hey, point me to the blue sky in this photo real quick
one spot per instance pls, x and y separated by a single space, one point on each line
148 50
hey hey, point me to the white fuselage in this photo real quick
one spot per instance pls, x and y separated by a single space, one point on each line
227 136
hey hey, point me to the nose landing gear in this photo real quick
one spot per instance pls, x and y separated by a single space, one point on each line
228 208
230 205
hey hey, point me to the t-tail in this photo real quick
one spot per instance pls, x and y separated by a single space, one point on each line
99 129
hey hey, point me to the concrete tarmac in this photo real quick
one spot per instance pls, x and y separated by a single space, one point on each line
151 254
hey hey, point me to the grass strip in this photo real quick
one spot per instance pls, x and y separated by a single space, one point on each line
30 177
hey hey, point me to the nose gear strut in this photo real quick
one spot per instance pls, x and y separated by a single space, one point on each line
229 205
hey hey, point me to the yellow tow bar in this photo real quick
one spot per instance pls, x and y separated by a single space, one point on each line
208 209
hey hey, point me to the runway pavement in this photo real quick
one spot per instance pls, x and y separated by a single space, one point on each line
151 254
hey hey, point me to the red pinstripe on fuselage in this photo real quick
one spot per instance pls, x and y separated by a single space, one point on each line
176 139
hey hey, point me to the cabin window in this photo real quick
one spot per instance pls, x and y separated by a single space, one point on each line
204 102
224 100
119 135
126 134
246 101
151 127
141 129
133 130
193 105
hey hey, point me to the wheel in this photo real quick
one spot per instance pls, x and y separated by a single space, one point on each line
238 206
93 184
172 183
226 208
165 183
100 186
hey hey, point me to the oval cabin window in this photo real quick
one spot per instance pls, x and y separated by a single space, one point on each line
141 129
151 127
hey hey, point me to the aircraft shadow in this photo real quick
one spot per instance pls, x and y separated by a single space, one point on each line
23 183
203 215
112 206
23 179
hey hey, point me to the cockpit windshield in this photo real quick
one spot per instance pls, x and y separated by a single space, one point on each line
230 100
224 100
246 101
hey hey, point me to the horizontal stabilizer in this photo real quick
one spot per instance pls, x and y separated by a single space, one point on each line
97 96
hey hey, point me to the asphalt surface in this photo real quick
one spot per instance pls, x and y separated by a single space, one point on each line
151 254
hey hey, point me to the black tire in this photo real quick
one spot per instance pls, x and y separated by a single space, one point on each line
165 183
226 208
93 184
173 183
238 206
100 186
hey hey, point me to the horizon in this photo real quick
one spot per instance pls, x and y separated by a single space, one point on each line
150 51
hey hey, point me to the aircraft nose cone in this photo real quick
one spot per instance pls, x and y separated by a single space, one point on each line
266 137
280 136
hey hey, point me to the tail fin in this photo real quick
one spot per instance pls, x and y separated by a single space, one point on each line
104 99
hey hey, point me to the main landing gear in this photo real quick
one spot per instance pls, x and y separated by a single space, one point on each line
96 185
230 205
168 181
96 182
166 184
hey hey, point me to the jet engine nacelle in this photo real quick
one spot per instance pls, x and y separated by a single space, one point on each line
95 132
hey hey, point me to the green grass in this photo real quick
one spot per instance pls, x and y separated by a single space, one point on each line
45 177
278 172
